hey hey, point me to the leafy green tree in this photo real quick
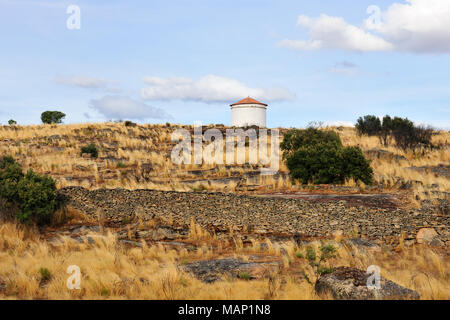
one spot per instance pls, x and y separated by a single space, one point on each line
12 122
356 166
369 125
317 156
405 134
37 198
33 195
316 164
10 175
386 131
296 138
50 117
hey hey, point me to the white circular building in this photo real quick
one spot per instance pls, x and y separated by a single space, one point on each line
248 112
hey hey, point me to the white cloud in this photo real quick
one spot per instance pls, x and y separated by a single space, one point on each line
82 81
208 89
420 26
334 33
87 82
123 107
344 67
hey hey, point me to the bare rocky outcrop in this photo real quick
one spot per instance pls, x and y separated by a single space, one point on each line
383 154
439 170
213 270
346 283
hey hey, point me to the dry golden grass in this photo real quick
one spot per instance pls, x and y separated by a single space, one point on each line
111 271
126 152
123 153
389 171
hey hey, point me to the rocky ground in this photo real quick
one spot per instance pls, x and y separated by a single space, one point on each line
378 218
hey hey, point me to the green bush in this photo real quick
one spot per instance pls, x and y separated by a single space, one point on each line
31 194
105 292
355 165
130 124
12 122
318 157
37 198
50 117
10 175
318 262
90 149
45 274
245 276
295 139
120 164
318 165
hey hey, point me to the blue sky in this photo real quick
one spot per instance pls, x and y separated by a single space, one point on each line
186 61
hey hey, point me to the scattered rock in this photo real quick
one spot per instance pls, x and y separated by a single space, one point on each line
436 242
364 244
54 137
426 235
89 240
409 243
383 154
439 170
85 229
346 283
132 243
337 233
161 233
213 270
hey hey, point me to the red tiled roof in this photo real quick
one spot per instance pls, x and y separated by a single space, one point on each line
249 100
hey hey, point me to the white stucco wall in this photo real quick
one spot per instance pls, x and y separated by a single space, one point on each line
248 115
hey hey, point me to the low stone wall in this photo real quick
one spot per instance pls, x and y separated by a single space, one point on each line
260 215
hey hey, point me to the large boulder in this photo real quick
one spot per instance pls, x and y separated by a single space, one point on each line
426 235
346 283
213 270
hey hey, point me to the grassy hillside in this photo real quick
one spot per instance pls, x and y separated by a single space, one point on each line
126 256
139 157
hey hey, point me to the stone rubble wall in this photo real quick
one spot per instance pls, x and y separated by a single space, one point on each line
260 215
